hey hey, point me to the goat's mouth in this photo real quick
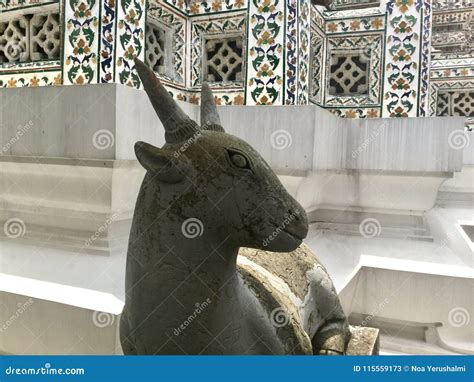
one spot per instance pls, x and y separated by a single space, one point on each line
284 239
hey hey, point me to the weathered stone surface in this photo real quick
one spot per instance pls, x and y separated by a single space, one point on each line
364 341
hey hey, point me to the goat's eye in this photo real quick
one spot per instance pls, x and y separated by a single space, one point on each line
239 160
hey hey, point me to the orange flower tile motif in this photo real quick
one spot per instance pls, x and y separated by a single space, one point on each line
372 113
34 81
355 25
216 5
404 5
238 100
350 114
377 23
58 80
331 27
11 83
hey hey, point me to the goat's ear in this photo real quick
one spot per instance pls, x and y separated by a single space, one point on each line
167 167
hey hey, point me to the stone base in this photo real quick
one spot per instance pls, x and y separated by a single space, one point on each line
364 341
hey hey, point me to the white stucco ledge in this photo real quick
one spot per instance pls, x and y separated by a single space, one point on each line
104 121
60 293
411 293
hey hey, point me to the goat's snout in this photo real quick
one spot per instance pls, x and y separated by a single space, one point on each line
298 222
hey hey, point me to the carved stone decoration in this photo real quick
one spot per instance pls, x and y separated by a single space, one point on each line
223 60
457 102
44 36
349 74
155 49
14 36
202 275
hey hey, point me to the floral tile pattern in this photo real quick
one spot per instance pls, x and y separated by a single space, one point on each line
51 78
265 69
107 53
363 24
130 40
404 57
82 42
287 52
304 41
197 7
425 58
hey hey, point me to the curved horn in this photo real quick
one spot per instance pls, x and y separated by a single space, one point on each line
209 117
178 126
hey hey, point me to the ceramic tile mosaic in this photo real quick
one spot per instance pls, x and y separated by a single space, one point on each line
368 47
404 56
197 7
266 41
81 44
290 52
16 80
130 40
202 28
107 41
6 5
177 23
304 42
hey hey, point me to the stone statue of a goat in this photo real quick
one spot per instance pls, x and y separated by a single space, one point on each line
205 196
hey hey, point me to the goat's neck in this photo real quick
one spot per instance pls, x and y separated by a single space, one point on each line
191 269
